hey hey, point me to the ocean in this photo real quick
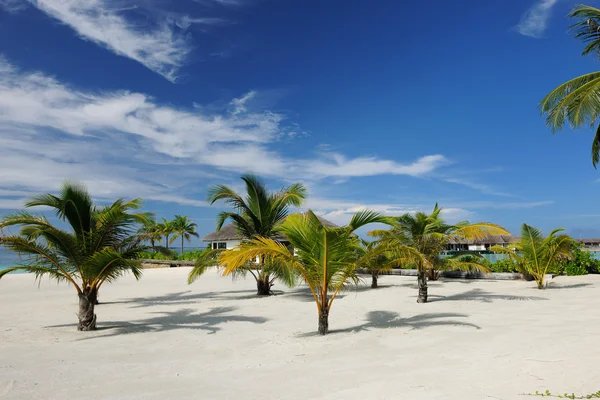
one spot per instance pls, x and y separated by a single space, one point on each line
8 259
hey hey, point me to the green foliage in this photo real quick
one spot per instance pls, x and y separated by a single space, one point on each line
170 255
537 255
192 255
258 214
183 228
547 393
325 257
582 263
575 102
506 265
430 235
573 269
100 244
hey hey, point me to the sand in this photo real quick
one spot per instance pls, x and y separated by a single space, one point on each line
162 339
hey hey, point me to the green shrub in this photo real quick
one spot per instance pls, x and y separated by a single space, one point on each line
506 265
573 269
155 255
192 255
582 263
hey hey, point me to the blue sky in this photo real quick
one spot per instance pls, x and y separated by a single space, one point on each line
387 105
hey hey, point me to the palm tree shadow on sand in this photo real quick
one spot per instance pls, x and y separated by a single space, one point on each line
209 321
391 319
481 295
187 297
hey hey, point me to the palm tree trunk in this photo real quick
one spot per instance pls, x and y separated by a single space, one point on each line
263 285
87 318
324 321
167 241
374 281
181 245
540 282
422 281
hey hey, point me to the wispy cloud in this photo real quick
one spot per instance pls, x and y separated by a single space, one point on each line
157 45
535 20
480 187
339 166
13 5
127 144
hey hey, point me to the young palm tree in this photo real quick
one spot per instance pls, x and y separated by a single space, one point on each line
375 258
257 215
324 257
183 228
576 102
535 254
430 235
99 247
166 229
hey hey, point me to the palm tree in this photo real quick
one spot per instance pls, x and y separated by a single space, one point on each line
375 259
577 101
151 232
430 235
257 215
324 257
183 228
99 247
166 229
535 254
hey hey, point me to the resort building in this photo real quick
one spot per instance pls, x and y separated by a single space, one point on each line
590 244
229 237
481 245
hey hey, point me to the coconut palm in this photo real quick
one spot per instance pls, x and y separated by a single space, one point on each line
151 232
430 235
166 229
98 247
536 254
183 228
376 258
256 215
324 257
577 101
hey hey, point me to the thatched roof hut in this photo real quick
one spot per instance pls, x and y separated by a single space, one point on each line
230 232
491 240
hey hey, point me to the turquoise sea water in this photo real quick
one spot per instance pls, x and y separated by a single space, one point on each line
8 259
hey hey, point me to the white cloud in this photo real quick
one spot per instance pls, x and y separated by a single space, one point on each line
158 47
13 5
340 211
339 166
535 20
124 144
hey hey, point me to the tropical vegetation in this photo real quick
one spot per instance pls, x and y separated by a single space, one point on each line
183 228
576 102
535 254
429 235
257 215
324 257
99 246
375 258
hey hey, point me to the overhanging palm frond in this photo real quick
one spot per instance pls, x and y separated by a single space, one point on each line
587 29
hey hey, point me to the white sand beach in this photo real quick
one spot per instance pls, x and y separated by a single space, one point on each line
162 339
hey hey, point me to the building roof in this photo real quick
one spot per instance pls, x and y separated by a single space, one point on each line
230 232
491 239
589 240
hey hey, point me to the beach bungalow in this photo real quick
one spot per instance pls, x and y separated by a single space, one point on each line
481 245
590 244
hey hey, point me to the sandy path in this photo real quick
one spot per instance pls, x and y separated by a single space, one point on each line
163 339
